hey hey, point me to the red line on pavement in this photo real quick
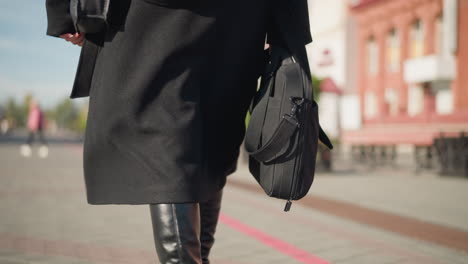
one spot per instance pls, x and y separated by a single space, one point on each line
279 245
340 233
402 225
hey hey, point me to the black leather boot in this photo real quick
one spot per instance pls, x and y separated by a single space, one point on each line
209 214
176 229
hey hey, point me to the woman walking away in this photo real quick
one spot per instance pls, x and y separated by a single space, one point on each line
169 85
35 127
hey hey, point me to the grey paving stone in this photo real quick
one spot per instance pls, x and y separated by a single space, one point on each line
21 258
373 258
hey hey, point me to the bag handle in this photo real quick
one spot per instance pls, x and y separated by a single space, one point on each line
296 47
287 126
280 138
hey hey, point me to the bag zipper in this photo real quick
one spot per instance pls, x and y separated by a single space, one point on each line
288 204
287 207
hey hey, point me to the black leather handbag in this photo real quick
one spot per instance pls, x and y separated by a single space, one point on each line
89 16
283 131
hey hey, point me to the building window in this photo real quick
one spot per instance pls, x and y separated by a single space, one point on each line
393 51
391 98
372 56
444 101
439 31
370 105
415 99
417 39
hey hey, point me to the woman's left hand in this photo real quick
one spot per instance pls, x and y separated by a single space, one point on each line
76 39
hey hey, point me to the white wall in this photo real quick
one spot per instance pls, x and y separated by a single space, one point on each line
350 117
329 24
328 113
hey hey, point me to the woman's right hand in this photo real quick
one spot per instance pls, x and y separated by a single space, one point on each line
76 39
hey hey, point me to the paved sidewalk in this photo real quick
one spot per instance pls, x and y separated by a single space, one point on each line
45 219
426 197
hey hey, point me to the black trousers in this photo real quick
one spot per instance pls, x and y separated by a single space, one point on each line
32 134
184 232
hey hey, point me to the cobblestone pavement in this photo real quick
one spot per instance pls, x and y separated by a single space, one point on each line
44 218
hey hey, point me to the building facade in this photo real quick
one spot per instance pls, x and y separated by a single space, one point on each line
411 62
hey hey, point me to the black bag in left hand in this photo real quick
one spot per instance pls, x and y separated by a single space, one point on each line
89 16
283 131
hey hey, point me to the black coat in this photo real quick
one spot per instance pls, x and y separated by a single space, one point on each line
169 85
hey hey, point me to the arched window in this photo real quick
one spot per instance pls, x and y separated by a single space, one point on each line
393 51
372 56
417 39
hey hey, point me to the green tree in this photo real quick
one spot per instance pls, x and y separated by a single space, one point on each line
15 113
316 86
80 122
66 114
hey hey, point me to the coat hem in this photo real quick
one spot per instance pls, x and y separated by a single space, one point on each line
183 198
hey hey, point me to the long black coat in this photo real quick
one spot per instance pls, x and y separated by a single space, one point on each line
169 85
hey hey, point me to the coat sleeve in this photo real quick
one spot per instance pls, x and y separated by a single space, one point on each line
301 9
273 30
59 20
295 17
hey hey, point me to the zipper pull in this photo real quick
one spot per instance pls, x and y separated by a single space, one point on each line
288 206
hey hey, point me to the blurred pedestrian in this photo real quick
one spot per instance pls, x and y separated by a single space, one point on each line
4 126
169 85
35 129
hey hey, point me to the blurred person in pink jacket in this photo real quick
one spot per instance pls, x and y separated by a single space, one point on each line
35 126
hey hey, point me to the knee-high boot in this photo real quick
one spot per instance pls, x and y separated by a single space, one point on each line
209 214
176 229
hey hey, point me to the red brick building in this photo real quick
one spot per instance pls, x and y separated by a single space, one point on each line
412 70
